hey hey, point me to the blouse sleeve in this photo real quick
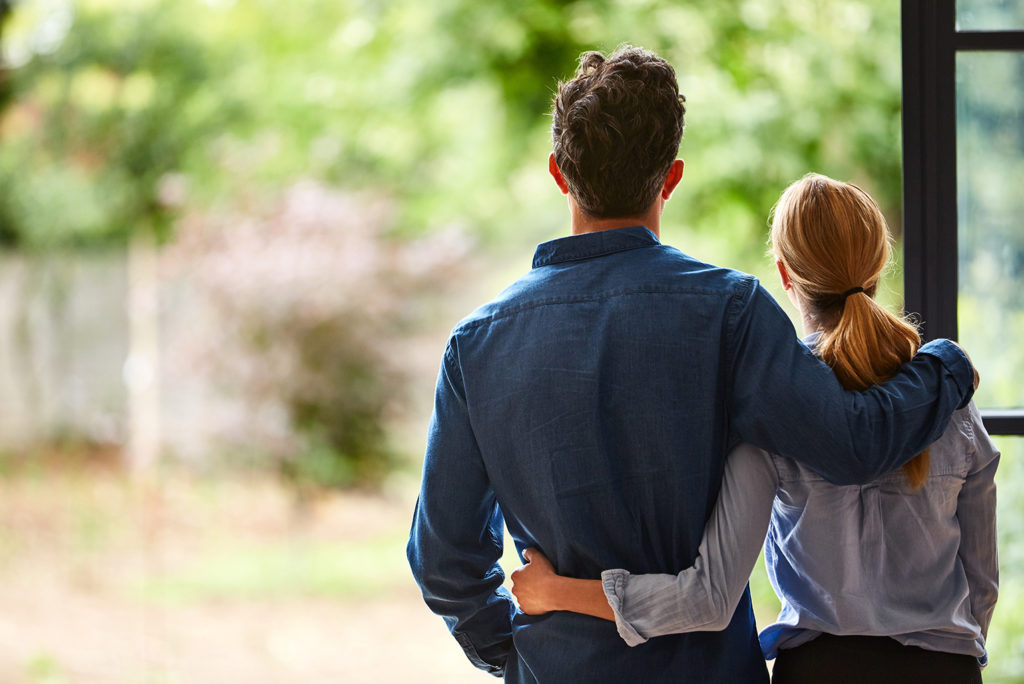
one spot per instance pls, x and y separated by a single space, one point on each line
703 597
976 513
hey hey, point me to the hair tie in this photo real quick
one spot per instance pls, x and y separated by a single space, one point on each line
852 290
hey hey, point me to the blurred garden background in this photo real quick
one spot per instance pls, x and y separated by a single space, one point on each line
233 237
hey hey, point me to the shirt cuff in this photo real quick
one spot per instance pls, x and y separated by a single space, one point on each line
983 658
614 583
956 363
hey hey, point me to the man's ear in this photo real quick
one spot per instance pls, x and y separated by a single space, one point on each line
787 282
675 174
557 174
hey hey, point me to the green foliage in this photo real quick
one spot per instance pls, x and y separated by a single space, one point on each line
442 105
5 84
103 121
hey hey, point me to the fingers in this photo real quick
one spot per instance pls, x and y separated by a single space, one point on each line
529 582
977 378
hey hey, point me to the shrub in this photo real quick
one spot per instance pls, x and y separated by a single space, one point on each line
313 309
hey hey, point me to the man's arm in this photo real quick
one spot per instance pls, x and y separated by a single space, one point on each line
458 531
788 402
976 514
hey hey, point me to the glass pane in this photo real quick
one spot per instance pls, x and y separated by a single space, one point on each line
990 232
989 15
1006 633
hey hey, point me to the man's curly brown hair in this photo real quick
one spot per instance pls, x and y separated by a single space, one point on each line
616 130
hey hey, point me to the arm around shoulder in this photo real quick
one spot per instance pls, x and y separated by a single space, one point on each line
956 363
787 401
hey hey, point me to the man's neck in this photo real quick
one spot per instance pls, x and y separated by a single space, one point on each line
585 223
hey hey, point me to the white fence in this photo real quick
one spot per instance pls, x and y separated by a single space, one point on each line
63 344
66 335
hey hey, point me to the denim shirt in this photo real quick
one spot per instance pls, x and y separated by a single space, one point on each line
590 408
879 559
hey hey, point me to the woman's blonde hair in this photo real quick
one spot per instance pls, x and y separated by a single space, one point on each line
833 241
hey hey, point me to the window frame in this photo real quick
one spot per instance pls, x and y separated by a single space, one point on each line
930 43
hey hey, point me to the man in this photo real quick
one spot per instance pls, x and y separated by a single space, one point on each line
590 406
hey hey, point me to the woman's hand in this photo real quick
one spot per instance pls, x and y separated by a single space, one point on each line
539 590
535 584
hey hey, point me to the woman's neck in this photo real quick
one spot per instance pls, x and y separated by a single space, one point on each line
812 319
812 324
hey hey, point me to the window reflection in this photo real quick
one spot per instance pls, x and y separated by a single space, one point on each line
990 226
989 15
1004 635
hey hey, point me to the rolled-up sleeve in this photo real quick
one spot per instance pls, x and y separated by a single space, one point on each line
458 531
704 596
785 400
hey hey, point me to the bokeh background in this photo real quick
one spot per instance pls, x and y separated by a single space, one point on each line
233 237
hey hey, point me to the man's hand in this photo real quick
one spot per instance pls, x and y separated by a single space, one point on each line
535 584
977 378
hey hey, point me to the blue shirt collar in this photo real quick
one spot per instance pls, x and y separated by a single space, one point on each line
812 340
589 245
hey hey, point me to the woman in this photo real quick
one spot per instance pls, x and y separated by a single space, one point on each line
891 581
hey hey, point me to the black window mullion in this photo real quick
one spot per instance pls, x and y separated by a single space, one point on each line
1004 422
930 45
1010 41
929 165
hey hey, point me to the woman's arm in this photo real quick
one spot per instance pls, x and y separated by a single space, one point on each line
976 513
702 597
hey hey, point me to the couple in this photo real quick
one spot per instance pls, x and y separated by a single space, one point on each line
614 401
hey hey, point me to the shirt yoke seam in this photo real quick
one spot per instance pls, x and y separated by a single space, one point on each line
580 299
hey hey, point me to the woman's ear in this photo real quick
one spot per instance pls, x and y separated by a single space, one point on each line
787 282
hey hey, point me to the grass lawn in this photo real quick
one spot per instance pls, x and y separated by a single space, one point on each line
178 578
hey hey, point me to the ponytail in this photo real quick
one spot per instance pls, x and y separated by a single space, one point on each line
833 241
867 346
